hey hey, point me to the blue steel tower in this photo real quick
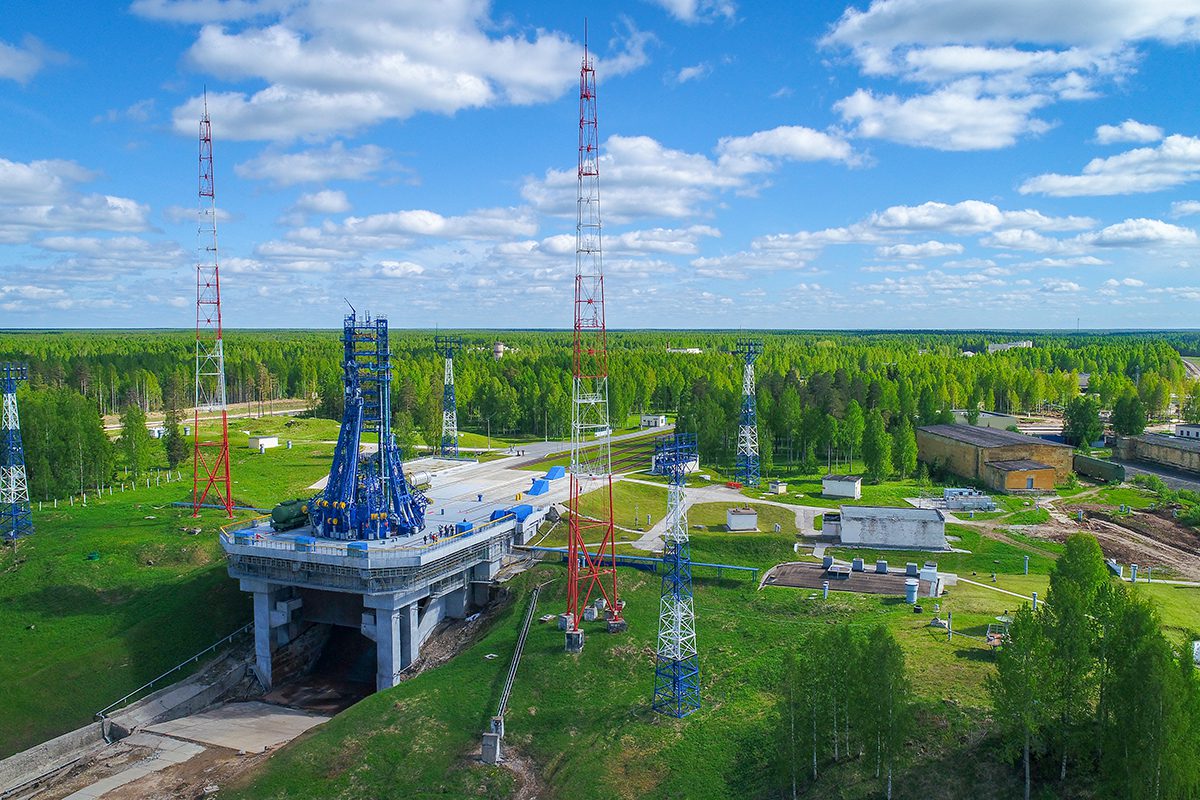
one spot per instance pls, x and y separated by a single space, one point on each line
367 496
16 518
747 443
446 346
676 665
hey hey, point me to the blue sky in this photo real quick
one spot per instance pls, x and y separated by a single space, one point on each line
894 164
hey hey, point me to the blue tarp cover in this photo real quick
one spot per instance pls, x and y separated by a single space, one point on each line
555 473
540 486
461 527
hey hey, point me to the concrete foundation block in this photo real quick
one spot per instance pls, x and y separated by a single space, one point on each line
490 751
574 640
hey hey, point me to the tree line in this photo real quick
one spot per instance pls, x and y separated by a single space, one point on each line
811 387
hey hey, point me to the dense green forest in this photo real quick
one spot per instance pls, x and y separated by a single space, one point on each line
812 386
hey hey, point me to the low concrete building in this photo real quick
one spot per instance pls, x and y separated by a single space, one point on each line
1177 452
986 419
849 486
876 526
967 450
741 519
654 420
263 442
1187 431
1019 475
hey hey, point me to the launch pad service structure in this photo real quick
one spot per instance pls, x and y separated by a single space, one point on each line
370 551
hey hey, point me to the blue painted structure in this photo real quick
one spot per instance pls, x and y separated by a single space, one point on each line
747 448
16 515
446 347
676 665
367 497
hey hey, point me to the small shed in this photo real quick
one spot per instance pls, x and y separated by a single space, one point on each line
778 487
849 486
741 519
263 442
158 432
654 420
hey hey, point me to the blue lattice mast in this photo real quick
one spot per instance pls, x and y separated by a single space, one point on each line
676 666
446 346
16 517
367 496
747 442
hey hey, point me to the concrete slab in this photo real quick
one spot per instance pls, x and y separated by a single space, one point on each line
253 727
167 753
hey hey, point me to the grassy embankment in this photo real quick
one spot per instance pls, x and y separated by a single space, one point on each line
79 633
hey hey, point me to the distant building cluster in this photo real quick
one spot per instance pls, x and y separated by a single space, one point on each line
997 348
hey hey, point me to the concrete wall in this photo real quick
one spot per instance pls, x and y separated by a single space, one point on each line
894 532
17 769
1018 480
1138 449
968 460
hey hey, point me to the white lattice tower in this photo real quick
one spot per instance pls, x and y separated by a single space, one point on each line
747 443
449 410
14 487
676 616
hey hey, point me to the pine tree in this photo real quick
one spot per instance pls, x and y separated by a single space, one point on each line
877 447
135 441
173 440
1129 416
904 449
1018 688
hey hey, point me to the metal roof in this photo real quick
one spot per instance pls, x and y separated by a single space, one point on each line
1018 465
1177 442
984 437
889 512
842 478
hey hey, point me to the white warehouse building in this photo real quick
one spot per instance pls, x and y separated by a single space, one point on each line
872 526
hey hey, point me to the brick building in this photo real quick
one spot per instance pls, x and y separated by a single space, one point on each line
1001 460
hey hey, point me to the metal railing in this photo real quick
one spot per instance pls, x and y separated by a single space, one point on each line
103 713
341 550
517 651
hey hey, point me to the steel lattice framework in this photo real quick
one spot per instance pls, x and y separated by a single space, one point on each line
446 347
210 465
367 496
591 455
16 517
676 665
747 442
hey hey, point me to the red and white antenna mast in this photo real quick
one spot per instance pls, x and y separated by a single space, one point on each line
591 456
211 461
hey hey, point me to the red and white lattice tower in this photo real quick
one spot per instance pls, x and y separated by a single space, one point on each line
590 572
211 462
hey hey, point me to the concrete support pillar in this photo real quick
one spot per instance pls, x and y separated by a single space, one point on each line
275 623
410 635
262 638
392 620
387 648
480 576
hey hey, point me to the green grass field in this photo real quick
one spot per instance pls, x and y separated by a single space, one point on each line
416 740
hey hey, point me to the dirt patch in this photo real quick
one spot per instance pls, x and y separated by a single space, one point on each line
1151 539
216 766
529 783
